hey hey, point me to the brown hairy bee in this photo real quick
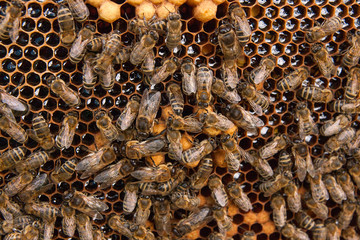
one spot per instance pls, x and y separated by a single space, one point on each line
271 148
185 200
37 187
63 172
324 165
333 231
334 126
222 219
319 231
229 43
58 86
217 121
230 76
129 114
352 87
34 161
199 179
149 106
346 214
218 192
204 78
335 190
192 222
303 161
10 24
315 94
67 132
344 180
319 208
237 195
261 166
130 198
79 10
293 199
66 25
342 138
148 65
285 160
78 48
176 98
107 80
257 101
198 152
173 34
175 146
304 220
323 59
162 216
293 80
142 48
188 124
350 234
346 106
167 187
291 232
12 157
259 74
89 77
328 27
318 189
84 226
42 210
241 24
32 231
279 210
9 210
18 183
188 71
143 210
161 173
307 125
352 55
120 225
105 125
17 106
69 219
13 129
41 132
168 68
233 153
151 146
272 186
220 90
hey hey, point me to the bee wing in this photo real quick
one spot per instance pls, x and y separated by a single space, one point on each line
14 103
192 125
333 128
244 24
14 32
108 173
300 164
66 135
257 122
6 215
89 161
49 229
247 156
152 104
130 197
95 203
150 146
85 231
310 166
7 112
270 150
220 196
69 225
302 133
232 160
127 118
145 173
196 154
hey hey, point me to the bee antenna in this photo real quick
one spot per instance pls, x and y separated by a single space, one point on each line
167 9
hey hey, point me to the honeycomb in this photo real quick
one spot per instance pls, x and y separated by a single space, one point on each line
278 29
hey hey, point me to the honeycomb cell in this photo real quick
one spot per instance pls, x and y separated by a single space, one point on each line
8 65
271 12
15 52
264 24
34 10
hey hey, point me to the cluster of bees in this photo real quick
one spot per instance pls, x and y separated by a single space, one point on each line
162 186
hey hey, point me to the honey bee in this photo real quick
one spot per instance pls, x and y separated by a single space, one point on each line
34 161
149 106
148 65
272 186
323 59
42 210
328 27
128 116
217 121
350 234
344 179
12 157
97 43
204 79
63 172
319 208
285 161
346 214
279 210
257 101
352 56
38 186
259 74
352 87
66 25
124 55
315 94
9 210
293 199
10 24
237 195
141 233
271 148
218 192
162 216
222 219
199 179
104 123
230 76
119 224
107 80
78 48
188 71
319 231
192 222
342 138
176 98
89 77
303 161
96 161
291 232
69 96
17 106
161 173
84 227
293 80
167 187
188 124
13 129
318 189
234 154
173 34
346 106
89 205
79 10
143 210
261 166
168 68
20 222
241 25
248 235
219 89
114 173
335 190
184 200
67 132
334 126
306 123
130 198
199 151
98 234
69 219
228 42
142 48
41 132
32 231
304 220
149 147
333 231
175 147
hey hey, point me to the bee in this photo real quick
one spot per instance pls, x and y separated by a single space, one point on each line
167 187
285 161
38 186
303 161
346 214
352 56
149 106
63 172
279 210
79 10
335 190
10 24
184 200
107 129
218 192
148 65
248 235
333 231
66 25
130 198
199 179
176 98
319 231
346 106
241 24
261 166
162 216
198 152
17 106
9 210
107 80
96 161
323 59
97 43
334 126
319 208
142 48
69 219
69 96
42 210
32 231
13 129
259 74
34 161
161 173
352 87
304 220
89 205
98 234
243 119
21 221
188 71
192 222
41 132
222 219
119 224
293 199
342 138
271 148
230 76
328 27
141 233
168 68
204 79
293 80
318 189
78 48
307 125
143 210
129 114
272 186
173 34
234 154
217 121
84 227
257 101
175 147
344 180
149 188
237 195
219 89
350 234
291 232
67 132
151 146
89 77
229 44
124 55
188 124
12 157
315 94
114 173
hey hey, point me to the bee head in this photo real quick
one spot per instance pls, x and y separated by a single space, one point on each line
174 16
225 28
154 35
233 6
